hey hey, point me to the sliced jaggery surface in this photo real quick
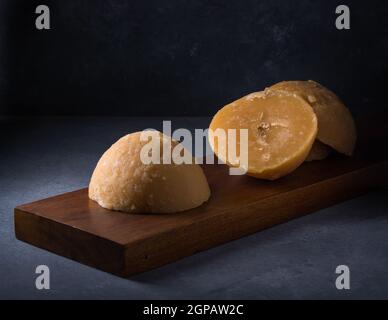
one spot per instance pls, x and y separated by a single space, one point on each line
122 181
281 130
336 127
319 151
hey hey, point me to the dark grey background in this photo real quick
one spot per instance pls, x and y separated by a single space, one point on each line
189 57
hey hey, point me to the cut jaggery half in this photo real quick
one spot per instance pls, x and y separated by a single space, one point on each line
122 181
336 127
281 131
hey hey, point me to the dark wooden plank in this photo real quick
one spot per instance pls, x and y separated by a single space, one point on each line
76 227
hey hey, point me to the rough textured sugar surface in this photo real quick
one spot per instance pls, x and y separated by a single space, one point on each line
121 181
336 127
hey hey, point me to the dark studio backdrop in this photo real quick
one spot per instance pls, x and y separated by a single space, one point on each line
172 58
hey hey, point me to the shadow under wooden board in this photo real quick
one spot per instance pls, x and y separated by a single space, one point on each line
73 226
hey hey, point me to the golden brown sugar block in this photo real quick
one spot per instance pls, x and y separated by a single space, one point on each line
122 182
281 131
336 127
319 151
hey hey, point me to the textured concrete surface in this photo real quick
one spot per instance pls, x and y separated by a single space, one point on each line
297 260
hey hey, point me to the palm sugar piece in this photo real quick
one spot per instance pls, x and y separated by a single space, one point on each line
336 127
281 131
121 181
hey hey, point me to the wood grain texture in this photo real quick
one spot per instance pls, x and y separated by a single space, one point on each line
124 244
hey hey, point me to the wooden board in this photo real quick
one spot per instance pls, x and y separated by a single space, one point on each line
124 244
